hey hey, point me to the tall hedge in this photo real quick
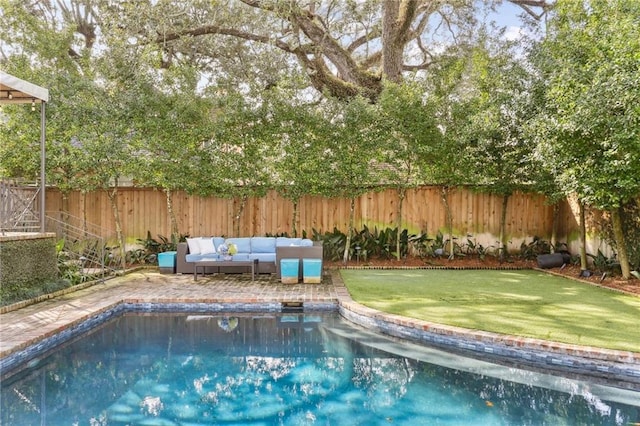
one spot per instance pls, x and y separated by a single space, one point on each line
25 265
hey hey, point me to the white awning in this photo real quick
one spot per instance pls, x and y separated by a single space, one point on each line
16 90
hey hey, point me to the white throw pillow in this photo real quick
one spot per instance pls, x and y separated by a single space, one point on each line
206 246
194 245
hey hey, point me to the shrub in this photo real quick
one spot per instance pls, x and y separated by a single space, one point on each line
33 263
151 248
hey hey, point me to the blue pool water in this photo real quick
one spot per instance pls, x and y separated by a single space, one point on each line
286 369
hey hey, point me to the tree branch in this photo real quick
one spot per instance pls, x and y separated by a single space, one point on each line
361 41
422 66
527 6
214 29
371 60
406 14
426 14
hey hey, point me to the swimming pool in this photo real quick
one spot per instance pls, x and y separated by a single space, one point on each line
289 369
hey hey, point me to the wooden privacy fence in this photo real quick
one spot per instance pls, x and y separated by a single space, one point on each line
473 213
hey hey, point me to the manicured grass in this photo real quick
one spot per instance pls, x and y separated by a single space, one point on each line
524 303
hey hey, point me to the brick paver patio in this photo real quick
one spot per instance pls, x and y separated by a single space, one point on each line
22 327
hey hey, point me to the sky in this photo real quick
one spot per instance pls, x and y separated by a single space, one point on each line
509 16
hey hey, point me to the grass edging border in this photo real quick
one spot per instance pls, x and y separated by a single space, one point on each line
437 267
569 277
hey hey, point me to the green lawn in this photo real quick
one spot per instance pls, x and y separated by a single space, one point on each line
524 303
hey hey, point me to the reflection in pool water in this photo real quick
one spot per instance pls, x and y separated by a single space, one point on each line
293 369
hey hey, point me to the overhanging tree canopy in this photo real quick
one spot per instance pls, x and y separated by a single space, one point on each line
345 49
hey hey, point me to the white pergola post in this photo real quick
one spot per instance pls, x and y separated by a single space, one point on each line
43 163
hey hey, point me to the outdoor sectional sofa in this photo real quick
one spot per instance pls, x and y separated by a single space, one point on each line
268 251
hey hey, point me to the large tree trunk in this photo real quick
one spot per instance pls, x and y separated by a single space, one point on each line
621 243
393 41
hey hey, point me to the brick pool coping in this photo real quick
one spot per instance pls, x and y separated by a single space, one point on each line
594 361
29 329
27 324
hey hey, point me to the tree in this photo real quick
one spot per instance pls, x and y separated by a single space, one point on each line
449 90
350 154
496 102
58 45
299 140
169 136
590 63
19 147
36 45
345 49
499 154
235 159
104 139
408 133
542 173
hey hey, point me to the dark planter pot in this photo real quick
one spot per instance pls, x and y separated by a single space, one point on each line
553 260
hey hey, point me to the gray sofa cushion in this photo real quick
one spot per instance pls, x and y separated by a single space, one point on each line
242 244
287 241
263 245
